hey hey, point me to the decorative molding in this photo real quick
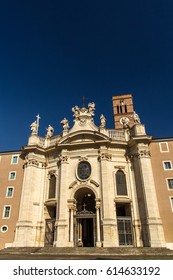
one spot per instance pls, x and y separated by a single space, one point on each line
142 154
44 164
119 167
52 172
83 158
94 183
62 159
32 162
73 184
105 156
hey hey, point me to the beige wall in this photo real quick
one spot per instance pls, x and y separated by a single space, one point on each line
160 176
5 168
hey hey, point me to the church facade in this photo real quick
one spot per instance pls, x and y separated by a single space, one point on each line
90 186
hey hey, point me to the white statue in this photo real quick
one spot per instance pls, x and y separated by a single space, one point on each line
136 118
91 108
76 111
34 128
50 131
125 122
102 120
65 124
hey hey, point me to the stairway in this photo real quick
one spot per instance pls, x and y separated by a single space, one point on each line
85 253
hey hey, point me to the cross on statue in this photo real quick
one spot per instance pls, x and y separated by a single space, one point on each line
37 117
83 100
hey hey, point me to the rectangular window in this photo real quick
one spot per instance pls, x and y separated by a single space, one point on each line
9 192
7 210
14 159
12 175
164 148
167 165
170 183
171 200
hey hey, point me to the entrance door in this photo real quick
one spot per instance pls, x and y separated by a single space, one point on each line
85 231
49 232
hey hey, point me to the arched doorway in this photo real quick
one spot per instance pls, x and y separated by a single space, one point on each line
85 218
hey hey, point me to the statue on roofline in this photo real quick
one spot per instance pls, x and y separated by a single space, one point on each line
65 124
34 128
136 118
50 131
103 121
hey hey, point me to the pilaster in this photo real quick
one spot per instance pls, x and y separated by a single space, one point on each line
153 234
29 228
62 222
110 237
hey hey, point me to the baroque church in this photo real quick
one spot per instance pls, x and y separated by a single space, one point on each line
89 186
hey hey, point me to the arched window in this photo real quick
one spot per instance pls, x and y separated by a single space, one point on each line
52 187
121 183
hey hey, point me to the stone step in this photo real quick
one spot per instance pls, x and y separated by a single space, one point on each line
87 251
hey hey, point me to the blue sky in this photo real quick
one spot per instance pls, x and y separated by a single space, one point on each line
54 52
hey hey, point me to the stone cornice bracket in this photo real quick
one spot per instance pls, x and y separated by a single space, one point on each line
105 156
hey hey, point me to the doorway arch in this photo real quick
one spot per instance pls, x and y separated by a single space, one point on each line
85 218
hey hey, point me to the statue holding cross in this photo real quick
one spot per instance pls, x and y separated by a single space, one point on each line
34 126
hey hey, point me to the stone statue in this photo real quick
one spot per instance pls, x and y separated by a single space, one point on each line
125 122
76 111
50 131
102 120
136 118
34 128
91 108
65 124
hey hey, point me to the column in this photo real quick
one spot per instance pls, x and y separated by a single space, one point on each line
98 242
71 225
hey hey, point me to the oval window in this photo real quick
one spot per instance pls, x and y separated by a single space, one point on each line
84 170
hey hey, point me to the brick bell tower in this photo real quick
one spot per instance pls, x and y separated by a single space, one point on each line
122 107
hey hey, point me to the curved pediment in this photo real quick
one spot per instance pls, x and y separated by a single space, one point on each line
84 136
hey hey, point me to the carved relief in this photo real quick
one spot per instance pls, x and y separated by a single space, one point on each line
82 114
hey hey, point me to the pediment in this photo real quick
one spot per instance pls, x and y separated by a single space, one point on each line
83 137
